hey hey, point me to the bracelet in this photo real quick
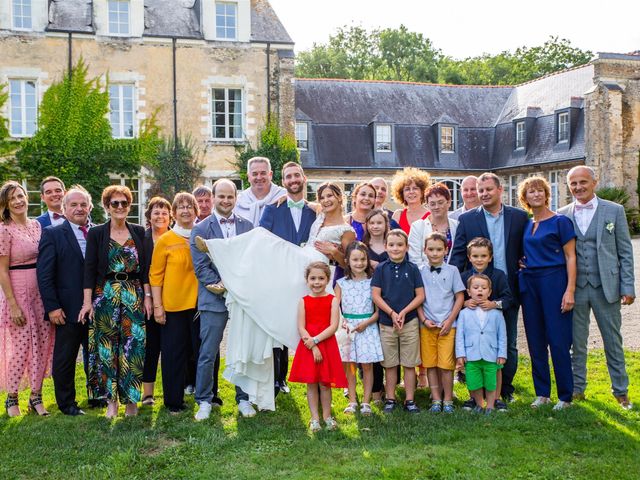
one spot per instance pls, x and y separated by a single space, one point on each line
147 295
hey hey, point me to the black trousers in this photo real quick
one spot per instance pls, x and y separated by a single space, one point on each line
69 338
175 347
280 364
194 352
152 350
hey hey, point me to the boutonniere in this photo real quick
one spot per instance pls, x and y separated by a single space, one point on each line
610 227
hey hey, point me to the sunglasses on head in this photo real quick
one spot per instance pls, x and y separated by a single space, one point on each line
119 203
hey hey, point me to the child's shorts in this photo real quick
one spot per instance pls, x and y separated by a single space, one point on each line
401 347
481 373
437 351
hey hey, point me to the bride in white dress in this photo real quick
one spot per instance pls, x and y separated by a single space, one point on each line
264 278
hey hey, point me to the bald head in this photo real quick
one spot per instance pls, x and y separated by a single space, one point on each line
582 183
469 187
380 184
224 197
582 169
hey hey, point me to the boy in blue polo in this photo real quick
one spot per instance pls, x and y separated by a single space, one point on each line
397 290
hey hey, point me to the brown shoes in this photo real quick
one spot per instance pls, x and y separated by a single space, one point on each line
201 244
217 288
624 402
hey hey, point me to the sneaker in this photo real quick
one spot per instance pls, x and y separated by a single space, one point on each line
469 405
539 401
500 406
436 407
624 402
411 407
389 406
447 407
351 409
204 411
561 405
365 409
314 426
246 409
189 390
478 409
284 388
508 398
330 423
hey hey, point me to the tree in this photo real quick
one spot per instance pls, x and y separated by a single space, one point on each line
74 141
407 56
178 167
279 148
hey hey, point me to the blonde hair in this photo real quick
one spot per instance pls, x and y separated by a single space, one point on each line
533 182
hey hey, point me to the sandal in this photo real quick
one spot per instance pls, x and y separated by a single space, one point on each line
34 400
330 423
365 409
351 408
10 402
314 426
148 400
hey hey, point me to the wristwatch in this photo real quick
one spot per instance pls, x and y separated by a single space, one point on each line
315 340
499 304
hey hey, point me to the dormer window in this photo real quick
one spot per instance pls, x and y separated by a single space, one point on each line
520 135
119 17
563 127
383 138
302 135
447 139
226 20
22 14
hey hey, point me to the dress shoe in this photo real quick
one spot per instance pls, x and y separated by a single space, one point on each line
216 402
217 288
284 388
624 402
72 411
201 244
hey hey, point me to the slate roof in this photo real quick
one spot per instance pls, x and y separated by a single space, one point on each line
167 18
341 133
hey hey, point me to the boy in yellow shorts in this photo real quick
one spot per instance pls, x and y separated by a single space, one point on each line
444 292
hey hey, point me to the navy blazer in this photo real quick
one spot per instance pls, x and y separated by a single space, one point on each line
60 270
499 286
45 220
96 261
472 224
278 220
206 271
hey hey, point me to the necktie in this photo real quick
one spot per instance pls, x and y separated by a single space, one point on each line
230 220
57 216
436 269
292 204
586 206
84 231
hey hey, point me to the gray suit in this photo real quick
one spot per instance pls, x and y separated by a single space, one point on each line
213 311
604 274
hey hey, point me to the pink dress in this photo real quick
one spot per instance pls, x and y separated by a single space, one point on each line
25 352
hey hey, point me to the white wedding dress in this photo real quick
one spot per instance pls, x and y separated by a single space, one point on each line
264 278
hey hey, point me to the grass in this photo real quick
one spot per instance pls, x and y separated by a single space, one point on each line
594 439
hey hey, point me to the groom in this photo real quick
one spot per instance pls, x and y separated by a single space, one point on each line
291 220
222 223
262 191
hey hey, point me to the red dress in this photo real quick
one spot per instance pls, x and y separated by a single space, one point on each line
404 221
329 371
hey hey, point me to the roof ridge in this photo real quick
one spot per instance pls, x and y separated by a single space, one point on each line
401 82
559 72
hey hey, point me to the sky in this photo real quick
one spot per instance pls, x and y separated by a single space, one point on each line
469 28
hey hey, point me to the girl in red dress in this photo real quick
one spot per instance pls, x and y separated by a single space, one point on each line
317 360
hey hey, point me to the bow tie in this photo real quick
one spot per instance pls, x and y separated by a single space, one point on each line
57 216
586 206
230 220
292 204
436 269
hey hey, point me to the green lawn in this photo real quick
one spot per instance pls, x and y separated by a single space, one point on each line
595 439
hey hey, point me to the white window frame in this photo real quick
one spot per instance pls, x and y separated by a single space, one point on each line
227 124
554 199
225 27
136 185
22 107
121 133
383 137
116 7
445 135
563 127
15 15
302 136
513 190
520 135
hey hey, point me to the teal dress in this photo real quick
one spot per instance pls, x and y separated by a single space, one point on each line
117 332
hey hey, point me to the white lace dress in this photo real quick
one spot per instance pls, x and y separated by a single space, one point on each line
264 277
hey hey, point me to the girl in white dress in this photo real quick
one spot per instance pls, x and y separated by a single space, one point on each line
264 278
360 321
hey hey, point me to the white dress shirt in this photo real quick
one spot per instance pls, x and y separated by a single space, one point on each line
481 315
57 221
296 214
228 229
80 237
584 216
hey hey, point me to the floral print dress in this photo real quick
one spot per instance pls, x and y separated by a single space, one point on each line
117 332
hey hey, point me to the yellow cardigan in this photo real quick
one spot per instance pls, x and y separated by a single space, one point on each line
172 269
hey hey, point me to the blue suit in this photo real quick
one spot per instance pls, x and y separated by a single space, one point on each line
45 220
60 270
481 343
473 224
212 307
278 220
